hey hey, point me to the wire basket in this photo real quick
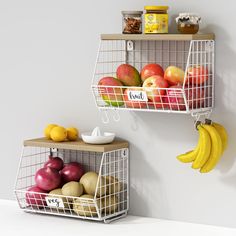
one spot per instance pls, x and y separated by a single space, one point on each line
110 200
185 54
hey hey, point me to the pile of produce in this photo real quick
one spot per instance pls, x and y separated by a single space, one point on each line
74 187
59 133
164 88
212 142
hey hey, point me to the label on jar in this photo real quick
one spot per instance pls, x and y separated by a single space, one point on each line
156 23
138 96
54 202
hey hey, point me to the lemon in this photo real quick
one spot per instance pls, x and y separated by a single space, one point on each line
58 134
72 133
48 129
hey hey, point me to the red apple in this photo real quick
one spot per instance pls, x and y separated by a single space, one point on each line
174 75
195 97
133 104
174 98
150 70
197 74
151 86
111 95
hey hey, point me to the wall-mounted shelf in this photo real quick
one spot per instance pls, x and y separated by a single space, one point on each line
184 51
171 37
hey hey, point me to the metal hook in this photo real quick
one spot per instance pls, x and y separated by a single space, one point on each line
106 120
116 116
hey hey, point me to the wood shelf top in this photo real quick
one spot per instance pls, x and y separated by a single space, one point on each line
173 37
77 145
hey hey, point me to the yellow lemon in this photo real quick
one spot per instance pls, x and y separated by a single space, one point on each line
72 133
58 134
48 129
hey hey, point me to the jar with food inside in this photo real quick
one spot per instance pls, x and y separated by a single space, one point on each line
188 23
132 22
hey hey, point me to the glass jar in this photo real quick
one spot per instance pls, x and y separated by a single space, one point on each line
188 23
132 22
156 19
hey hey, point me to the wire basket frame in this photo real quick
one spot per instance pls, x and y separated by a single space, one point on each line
189 97
110 200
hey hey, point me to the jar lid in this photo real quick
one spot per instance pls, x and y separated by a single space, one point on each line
156 8
193 18
132 12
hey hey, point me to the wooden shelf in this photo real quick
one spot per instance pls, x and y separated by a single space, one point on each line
173 37
77 145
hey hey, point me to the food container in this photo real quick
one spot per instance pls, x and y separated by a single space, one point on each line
156 20
132 22
188 23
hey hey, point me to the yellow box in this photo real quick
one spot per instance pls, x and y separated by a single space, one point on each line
156 23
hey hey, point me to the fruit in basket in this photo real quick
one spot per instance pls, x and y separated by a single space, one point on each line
195 97
150 70
54 162
56 192
85 205
48 129
90 181
174 75
128 75
110 204
58 134
47 178
155 87
72 133
113 185
133 104
197 75
72 189
35 196
111 95
175 98
72 172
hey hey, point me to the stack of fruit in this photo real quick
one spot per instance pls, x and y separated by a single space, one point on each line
59 133
164 89
74 187
211 145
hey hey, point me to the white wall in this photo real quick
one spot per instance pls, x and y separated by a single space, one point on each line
47 54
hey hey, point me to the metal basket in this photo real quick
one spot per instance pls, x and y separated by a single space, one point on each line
141 50
112 202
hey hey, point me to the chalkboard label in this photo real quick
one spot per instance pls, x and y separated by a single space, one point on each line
54 202
138 96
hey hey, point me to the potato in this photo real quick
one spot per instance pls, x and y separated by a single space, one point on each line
85 207
58 191
113 185
89 181
72 189
109 204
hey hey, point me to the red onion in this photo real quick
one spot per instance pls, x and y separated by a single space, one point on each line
72 172
35 199
54 162
47 178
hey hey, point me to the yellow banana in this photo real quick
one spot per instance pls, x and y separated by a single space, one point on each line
205 149
216 149
190 155
223 135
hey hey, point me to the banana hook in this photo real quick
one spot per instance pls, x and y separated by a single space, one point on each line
105 118
116 116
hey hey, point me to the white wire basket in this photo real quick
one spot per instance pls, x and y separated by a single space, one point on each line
182 51
109 161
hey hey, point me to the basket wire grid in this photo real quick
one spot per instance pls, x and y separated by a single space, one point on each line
187 98
112 203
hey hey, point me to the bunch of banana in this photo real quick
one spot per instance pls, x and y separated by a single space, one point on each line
212 142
